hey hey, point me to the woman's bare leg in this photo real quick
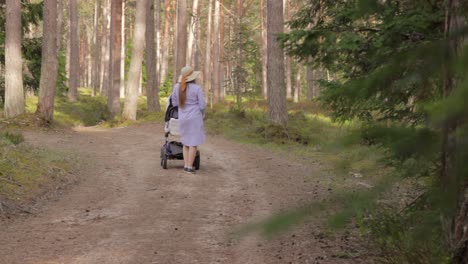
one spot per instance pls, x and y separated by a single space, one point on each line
186 157
192 152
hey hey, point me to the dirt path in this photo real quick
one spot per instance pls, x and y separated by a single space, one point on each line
127 209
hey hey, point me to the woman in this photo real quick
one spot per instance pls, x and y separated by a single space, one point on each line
188 96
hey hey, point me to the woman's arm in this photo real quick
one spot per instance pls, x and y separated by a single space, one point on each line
175 95
201 99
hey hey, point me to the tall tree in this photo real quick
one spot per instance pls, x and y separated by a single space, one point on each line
263 15
122 54
14 93
310 81
180 53
96 74
74 52
207 63
193 27
216 54
166 41
221 50
152 89
105 53
130 107
113 94
277 111
49 63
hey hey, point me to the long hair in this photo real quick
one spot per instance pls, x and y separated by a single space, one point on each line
183 91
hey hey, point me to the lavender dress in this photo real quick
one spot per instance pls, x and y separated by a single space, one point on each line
192 132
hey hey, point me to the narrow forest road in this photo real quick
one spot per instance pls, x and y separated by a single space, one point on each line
127 209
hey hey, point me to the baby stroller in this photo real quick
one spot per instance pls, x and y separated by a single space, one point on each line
173 150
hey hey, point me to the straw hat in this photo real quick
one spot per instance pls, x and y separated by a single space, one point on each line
189 73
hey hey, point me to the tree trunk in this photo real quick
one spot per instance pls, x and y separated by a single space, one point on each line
288 60
277 111
221 52
263 15
310 81
105 48
216 55
49 62
192 33
14 93
74 52
96 49
207 65
122 54
298 86
152 90
197 53
130 107
181 38
113 93
166 40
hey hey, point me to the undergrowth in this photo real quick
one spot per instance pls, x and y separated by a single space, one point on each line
379 172
25 172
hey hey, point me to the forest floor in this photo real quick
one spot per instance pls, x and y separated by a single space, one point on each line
125 208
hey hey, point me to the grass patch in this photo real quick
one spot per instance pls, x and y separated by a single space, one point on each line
25 172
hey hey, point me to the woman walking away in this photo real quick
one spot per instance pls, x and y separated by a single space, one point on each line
188 96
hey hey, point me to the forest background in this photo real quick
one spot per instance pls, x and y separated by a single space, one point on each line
370 87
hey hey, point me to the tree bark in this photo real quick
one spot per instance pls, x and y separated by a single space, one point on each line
74 52
288 60
310 81
130 107
49 62
216 54
221 52
96 49
122 54
298 85
207 65
277 111
166 40
105 48
193 33
181 39
263 15
113 94
14 92
152 90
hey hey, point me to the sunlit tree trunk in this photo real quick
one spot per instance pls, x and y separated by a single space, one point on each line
216 54
180 53
105 48
74 52
122 54
310 81
263 15
298 85
14 93
96 49
288 60
152 89
207 65
49 62
277 111
166 41
130 107
221 52
113 94
192 33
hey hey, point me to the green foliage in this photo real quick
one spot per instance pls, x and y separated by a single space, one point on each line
31 16
396 64
87 111
14 138
166 89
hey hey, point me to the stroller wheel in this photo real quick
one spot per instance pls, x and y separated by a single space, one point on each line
164 163
196 162
163 158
